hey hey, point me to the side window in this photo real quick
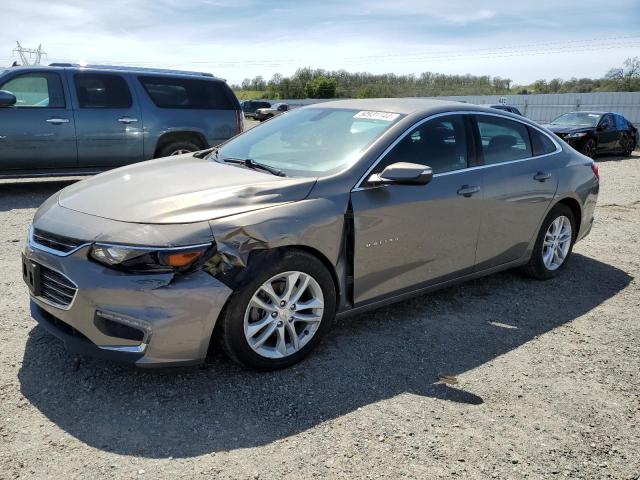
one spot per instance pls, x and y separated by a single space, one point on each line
439 143
541 144
621 122
102 91
502 140
39 90
607 122
168 92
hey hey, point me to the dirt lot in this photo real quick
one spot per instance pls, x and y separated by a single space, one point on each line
544 381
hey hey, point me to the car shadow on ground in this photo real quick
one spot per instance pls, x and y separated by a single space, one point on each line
28 194
616 158
408 347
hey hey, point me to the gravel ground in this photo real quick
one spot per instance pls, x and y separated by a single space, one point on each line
503 377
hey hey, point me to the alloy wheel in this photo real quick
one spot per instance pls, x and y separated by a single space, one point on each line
557 242
283 314
180 151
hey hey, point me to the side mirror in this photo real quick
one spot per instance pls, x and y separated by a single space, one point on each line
7 99
403 173
602 126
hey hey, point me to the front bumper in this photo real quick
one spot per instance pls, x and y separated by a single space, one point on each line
176 314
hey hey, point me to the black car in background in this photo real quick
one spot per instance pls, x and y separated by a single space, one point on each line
504 107
596 132
249 107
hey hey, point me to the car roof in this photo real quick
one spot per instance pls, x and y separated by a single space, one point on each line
114 69
399 105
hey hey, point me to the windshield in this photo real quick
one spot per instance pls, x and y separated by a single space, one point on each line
310 141
577 119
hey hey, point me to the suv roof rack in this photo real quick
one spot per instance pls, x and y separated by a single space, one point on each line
133 69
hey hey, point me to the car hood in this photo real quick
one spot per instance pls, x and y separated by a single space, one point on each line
567 129
181 189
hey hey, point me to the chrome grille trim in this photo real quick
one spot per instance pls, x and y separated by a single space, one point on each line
54 244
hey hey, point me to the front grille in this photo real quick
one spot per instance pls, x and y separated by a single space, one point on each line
55 287
55 242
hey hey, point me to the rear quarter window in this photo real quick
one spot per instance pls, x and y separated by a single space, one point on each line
540 143
187 93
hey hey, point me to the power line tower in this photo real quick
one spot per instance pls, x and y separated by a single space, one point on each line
29 56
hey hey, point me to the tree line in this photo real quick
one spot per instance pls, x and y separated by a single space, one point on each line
319 83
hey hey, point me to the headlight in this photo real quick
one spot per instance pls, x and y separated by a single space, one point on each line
576 135
150 260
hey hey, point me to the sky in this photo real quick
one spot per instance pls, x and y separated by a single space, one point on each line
236 39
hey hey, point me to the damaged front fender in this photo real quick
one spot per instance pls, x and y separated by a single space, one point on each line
316 224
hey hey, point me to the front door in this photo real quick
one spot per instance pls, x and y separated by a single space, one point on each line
407 236
109 123
39 131
608 135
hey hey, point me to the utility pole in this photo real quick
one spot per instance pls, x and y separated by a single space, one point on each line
27 54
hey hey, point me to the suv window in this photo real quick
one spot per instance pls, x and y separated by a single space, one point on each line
40 90
502 140
102 91
166 92
439 143
541 143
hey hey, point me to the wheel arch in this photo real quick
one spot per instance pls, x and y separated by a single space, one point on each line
179 136
575 208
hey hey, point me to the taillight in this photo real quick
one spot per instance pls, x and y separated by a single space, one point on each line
595 169
239 121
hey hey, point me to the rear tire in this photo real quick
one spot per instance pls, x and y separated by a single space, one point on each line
542 265
178 148
630 146
245 321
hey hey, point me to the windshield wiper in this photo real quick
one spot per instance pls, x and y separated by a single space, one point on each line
250 163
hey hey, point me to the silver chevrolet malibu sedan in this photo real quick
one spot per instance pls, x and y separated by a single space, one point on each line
256 246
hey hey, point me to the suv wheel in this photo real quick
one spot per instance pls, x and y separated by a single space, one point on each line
280 315
178 148
554 244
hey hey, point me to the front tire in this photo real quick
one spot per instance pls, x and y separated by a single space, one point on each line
278 316
554 244
589 148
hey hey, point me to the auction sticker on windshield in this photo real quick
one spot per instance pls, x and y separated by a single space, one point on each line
389 117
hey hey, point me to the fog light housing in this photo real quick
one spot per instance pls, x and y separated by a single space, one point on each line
121 326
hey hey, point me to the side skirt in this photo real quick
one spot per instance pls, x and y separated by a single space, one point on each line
395 297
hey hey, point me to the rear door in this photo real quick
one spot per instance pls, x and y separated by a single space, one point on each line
108 119
39 131
519 184
407 236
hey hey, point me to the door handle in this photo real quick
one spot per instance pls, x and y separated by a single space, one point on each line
468 190
57 121
542 176
127 120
